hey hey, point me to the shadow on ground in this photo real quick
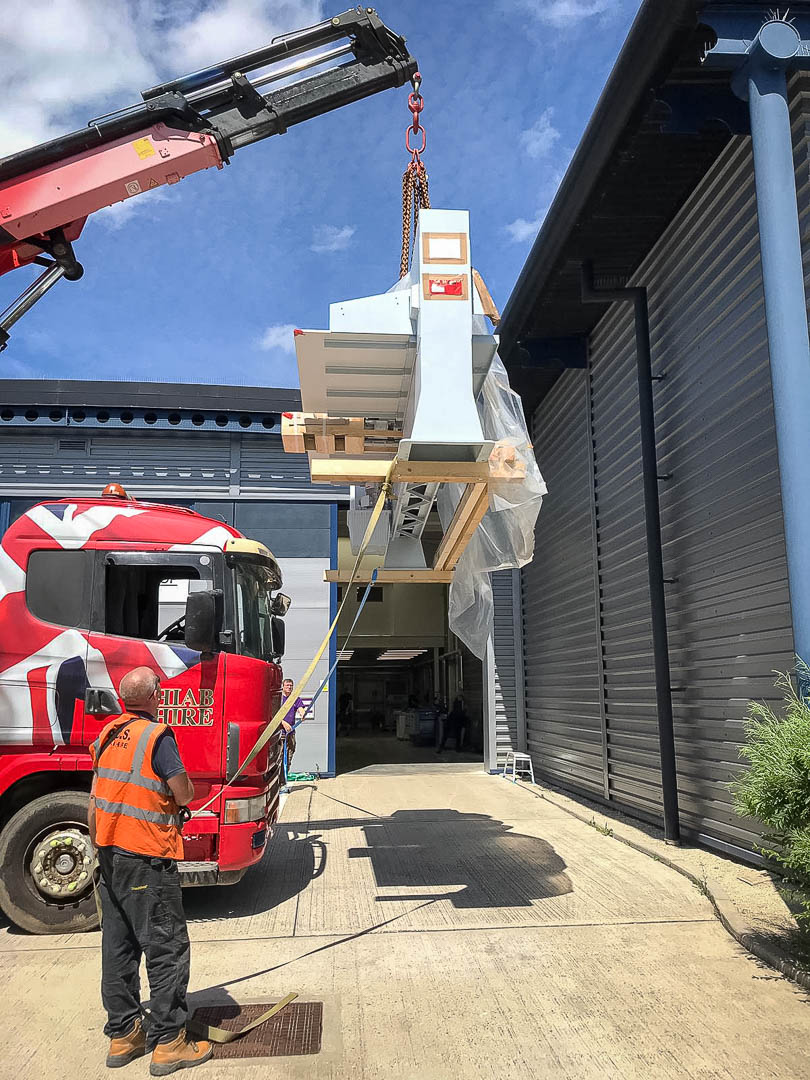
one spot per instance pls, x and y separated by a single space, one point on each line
359 750
472 860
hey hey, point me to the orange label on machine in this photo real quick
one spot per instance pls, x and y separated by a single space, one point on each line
447 287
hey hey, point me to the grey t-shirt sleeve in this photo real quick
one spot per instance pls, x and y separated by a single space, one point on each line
166 759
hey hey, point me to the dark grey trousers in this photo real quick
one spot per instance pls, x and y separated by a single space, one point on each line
142 915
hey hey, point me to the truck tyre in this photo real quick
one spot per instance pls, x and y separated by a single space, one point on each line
47 864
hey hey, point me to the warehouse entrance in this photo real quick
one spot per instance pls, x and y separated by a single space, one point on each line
406 705
400 671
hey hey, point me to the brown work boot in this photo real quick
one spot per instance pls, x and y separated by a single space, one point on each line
126 1048
180 1053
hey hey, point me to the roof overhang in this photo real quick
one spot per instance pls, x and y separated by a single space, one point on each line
661 122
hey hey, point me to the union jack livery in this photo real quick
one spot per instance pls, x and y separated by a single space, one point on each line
89 589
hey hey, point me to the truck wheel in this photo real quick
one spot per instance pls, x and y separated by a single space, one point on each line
47 864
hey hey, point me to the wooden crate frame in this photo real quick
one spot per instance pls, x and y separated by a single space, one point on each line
478 478
357 451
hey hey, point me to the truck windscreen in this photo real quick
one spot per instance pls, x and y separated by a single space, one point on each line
253 585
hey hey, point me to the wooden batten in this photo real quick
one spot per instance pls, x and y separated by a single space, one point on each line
336 470
469 512
389 577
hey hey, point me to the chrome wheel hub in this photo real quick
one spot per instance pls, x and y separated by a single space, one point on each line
62 864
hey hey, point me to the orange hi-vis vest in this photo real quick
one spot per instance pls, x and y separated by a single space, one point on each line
135 809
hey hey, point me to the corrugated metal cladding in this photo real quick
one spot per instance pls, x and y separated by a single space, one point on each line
159 464
724 551
560 630
507 705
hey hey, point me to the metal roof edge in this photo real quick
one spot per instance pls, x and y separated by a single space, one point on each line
651 36
184 396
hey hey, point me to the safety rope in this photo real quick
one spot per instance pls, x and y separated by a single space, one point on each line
415 193
209 1031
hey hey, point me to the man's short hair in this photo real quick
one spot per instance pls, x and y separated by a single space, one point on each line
138 685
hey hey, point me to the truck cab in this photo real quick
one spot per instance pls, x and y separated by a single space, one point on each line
89 589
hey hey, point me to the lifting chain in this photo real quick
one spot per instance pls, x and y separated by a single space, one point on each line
415 193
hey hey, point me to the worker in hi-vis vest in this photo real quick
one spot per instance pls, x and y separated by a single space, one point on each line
139 786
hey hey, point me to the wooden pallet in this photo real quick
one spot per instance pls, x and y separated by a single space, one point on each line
351 435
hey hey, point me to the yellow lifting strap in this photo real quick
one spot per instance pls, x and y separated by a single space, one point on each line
220 1035
209 1031
274 724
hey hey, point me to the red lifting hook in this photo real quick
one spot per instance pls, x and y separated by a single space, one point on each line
415 104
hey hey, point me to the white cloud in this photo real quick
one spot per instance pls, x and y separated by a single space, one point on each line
21 369
87 55
541 138
562 14
115 217
522 229
328 238
84 51
230 27
279 336
37 341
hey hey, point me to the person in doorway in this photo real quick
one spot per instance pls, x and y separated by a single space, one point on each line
139 787
345 713
297 713
455 726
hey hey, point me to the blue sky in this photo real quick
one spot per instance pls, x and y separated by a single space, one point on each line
204 282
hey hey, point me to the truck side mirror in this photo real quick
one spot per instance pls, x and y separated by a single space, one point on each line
278 631
203 619
280 604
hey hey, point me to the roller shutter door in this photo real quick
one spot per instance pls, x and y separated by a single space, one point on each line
507 665
723 535
560 627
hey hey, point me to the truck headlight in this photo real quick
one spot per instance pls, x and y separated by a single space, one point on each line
238 811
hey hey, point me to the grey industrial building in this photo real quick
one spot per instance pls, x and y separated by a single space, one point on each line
663 195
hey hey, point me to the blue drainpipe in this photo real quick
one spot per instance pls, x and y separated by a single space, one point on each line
763 81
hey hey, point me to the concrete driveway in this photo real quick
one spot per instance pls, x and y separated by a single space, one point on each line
453 926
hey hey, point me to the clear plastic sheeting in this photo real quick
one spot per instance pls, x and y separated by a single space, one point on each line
505 538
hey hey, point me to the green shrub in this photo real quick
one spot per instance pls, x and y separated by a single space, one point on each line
775 788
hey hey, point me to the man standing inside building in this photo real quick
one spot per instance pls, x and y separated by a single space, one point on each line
294 716
139 786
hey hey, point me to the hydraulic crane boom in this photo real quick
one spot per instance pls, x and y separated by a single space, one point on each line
181 126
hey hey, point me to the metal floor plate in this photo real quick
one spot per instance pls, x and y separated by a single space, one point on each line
295 1031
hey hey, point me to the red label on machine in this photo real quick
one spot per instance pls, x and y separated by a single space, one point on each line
445 288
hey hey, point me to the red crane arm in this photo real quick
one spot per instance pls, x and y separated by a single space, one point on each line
192 123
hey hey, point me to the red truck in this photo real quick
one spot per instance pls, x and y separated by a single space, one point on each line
89 589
